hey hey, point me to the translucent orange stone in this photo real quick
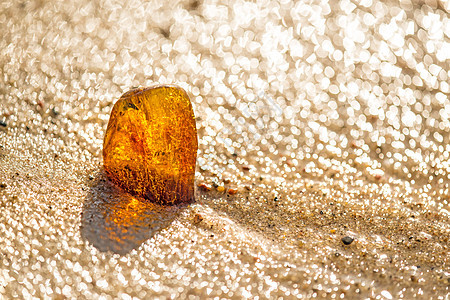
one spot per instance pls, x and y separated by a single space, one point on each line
150 145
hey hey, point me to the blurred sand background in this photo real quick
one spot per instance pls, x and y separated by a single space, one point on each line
330 119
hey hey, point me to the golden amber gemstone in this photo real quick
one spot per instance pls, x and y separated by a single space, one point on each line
150 145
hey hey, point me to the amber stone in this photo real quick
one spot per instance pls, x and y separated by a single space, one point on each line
150 145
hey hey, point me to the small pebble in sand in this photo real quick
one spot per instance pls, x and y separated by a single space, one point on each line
386 294
347 240
204 187
232 191
197 218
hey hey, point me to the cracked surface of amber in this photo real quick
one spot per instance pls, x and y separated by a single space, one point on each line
150 145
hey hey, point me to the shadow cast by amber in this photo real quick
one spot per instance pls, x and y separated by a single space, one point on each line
113 220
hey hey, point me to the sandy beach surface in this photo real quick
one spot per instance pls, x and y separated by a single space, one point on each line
323 167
